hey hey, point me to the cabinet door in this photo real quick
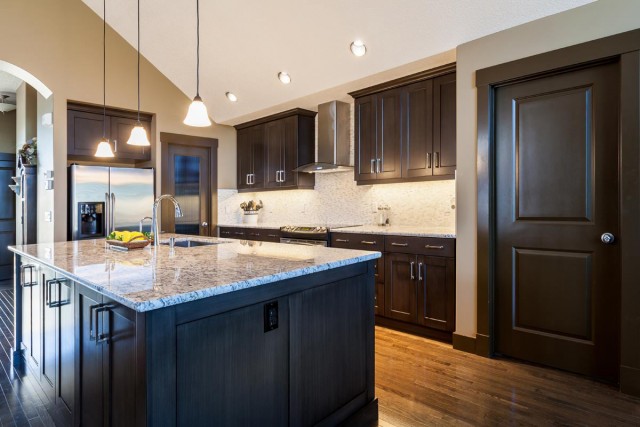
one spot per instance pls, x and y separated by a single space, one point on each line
49 328
244 155
274 137
289 152
65 337
436 292
417 143
389 140
89 408
401 290
119 364
444 119
365 138
379 295
257 155
32 318
84 132
121 131
246 366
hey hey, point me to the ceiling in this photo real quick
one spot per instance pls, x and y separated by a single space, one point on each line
244 44
8 86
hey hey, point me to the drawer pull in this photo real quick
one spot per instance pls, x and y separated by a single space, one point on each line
433 247
342 240
399 244
365 242
254 234
239 233
273 235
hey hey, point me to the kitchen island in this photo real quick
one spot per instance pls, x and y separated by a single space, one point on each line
228 333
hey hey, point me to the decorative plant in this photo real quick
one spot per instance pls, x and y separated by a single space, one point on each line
251 206
29 151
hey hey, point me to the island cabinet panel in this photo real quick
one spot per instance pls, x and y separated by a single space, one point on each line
49 325
231 371
31 314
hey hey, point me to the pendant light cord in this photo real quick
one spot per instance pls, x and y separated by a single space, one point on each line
198 48
138 61
104 69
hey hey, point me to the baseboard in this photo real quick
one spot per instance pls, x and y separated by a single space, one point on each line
630 380
464 343
410 328
483 345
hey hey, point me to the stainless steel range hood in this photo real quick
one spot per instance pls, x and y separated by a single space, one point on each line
333 139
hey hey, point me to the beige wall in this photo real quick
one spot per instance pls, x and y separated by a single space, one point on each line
8 132
593 21
63 48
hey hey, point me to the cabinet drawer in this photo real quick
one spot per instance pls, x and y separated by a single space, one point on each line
364 242
421 245
233 232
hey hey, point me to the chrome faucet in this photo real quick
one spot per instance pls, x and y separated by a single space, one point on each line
143 220
154 219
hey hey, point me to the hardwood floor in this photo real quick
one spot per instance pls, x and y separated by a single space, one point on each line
420 382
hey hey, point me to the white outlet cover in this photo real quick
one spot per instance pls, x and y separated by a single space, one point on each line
48 216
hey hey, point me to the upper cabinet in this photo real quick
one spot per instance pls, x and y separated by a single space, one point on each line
269 149
405 130
85 129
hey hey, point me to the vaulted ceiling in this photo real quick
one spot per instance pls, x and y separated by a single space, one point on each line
245 43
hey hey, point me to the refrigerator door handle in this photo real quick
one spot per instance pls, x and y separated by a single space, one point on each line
113 210
107 212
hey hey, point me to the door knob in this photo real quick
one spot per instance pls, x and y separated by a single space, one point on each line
607 238
205 224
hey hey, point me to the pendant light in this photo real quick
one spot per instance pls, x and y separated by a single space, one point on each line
197 115
139 133
104 147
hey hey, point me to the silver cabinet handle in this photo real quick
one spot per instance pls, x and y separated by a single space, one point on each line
247 180
47 294
100 335
253 178
284 176
373 161
428 160
436 159
399 244
413 276
366 242
420 271
278 176
379 166
608 238
113 212
342 240
433 247
205 224
107 213
23 282
93 321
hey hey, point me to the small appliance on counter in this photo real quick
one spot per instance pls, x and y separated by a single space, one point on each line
310 235
382 218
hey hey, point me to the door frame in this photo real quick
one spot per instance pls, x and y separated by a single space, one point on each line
193 141
625 48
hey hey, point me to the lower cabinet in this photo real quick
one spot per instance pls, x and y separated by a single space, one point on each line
250 233
106 351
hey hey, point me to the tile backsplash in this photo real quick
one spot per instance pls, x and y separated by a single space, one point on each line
337 199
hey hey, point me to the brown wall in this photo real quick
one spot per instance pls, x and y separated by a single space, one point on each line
63 49
8 132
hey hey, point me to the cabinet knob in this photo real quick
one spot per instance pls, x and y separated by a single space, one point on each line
607 238
205 224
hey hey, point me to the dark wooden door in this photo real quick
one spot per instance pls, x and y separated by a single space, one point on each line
557 283
7 217
444 119
257 156
248 365
417 143
89 382
365 138
49 325
245 158
121 131
389 135
189 179
84 131
289 152
436 292
119 358
401 287
274 140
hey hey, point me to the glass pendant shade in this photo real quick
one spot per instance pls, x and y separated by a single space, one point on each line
104 149
139 136
197 115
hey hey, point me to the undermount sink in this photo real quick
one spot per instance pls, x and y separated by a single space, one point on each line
191 243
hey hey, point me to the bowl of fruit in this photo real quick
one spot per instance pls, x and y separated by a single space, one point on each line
129 239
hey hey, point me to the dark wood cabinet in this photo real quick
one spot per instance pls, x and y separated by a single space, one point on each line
405 129
107 369
269 149
250 233
85 129
436 292
401 287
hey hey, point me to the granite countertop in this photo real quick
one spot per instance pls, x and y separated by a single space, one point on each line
152 278
402 230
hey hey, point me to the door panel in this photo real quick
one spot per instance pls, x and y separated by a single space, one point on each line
274 137
389 134
89 353
444 118
66 342
557 284
257 155
245 163
401 296
290 151
84 131
49 314
418 136
365 137
436 292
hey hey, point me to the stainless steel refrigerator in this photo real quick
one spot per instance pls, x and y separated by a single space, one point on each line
103 199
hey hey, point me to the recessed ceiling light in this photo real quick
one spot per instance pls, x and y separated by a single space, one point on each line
284 77
358 48
232 97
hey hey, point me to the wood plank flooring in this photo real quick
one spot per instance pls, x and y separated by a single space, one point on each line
419 382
